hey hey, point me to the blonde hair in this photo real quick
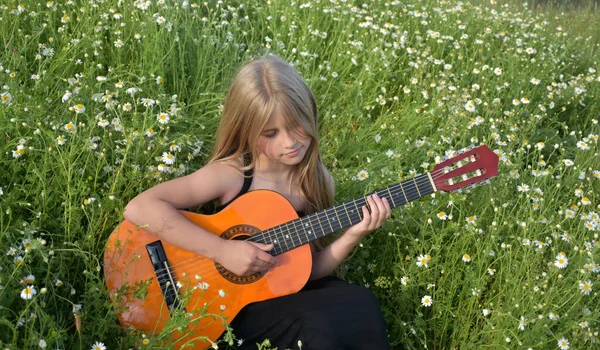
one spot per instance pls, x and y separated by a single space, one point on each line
261 88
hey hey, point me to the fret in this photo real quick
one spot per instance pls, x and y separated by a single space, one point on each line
431 182
266 236
302 225
328 220
404 193
417 187
283 235
391 197
275 241
291 236
348 215
312 229
318 221
338 218
357 211
270 240
427 187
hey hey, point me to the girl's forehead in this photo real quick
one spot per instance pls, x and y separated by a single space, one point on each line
276 119
280 120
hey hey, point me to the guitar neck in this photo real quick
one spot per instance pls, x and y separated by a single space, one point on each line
311 227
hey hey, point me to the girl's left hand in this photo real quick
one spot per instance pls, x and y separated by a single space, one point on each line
380 212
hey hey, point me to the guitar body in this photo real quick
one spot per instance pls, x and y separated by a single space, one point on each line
205 287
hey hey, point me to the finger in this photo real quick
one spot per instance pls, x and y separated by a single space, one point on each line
388 209
267 259
384 210
375 211
263 246
366 220
255 269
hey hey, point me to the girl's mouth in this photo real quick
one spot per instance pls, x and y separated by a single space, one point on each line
293 153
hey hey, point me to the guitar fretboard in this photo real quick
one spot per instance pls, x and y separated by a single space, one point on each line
308 228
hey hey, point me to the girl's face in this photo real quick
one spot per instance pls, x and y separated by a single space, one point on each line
283 145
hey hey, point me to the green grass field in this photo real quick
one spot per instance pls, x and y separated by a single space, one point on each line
95 94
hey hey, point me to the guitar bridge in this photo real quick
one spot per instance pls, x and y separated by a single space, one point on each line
164 275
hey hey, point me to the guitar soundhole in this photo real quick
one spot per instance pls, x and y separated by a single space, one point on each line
239 232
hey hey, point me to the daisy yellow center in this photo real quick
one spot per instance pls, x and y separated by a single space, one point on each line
586 287
467 256
4 98
79 106
423 261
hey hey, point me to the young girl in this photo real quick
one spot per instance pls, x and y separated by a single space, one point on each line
268 139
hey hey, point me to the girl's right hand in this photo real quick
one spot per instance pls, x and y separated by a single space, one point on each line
246 258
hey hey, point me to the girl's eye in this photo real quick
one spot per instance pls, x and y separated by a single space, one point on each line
270 133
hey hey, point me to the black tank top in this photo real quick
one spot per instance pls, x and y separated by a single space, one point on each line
245 187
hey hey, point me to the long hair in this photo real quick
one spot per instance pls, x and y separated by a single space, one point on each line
261 88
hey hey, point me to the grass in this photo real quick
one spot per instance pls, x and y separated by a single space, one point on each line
399 86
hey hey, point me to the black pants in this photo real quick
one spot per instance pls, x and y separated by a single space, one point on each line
326 314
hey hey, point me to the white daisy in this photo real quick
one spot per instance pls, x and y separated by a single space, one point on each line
61 140
362 175
78 108
586 287
98 346
561 261
28 293
168 158
163 117
563 344
422 260
6 97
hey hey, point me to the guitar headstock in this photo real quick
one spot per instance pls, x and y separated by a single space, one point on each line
465 169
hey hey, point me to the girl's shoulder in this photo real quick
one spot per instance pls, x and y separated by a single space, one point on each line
228 177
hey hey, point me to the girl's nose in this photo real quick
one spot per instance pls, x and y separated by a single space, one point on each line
289 139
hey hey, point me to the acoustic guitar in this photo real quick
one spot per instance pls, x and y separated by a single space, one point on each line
150 280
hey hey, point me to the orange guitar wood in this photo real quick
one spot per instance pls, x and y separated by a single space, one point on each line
127 265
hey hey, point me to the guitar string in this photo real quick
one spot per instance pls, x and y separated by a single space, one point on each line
214 272
209 275
316 219
310 220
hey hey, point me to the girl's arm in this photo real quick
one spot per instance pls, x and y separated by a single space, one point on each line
329 258
157 209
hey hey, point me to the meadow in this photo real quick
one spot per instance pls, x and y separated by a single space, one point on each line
102 99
